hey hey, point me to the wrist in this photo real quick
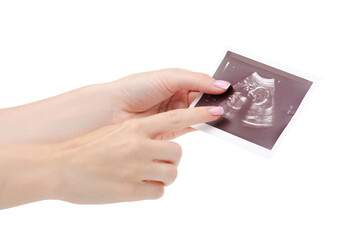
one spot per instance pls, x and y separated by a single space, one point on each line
120 100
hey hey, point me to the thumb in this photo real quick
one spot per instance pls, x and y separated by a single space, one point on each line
180 118
175 79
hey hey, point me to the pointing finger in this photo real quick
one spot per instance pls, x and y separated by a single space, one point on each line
181 118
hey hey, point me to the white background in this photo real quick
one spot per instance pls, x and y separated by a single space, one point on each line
310 189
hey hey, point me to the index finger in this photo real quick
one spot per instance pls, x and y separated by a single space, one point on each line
180 118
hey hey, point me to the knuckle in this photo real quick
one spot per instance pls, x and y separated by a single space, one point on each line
170 174
178 150
173 173
132 145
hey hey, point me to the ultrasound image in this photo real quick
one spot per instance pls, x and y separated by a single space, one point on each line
260 102
252 101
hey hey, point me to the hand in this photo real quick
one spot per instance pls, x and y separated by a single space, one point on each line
85 109
148 93
122 162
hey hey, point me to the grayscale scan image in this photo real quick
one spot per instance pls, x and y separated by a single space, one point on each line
252 101
260 102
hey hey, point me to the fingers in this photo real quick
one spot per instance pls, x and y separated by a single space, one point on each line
181 132
160 172
147 190
178 119
175 79
165 150
166 157
175 134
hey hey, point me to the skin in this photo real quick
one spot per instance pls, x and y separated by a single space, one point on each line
103 143
86 109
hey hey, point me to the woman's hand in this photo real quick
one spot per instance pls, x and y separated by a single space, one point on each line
85 109
115 163
123 162
144 94
148 93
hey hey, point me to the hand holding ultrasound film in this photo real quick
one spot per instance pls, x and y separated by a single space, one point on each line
258 105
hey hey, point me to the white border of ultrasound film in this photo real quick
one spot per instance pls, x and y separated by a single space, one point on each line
240 141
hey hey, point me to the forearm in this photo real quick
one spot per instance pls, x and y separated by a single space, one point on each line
55 119
27 174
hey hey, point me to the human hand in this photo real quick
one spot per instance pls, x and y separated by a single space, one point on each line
148 93
123 162
85 109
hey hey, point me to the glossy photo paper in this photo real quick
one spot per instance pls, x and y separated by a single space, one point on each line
258 106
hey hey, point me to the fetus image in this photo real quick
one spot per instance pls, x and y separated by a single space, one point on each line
260 102
252 102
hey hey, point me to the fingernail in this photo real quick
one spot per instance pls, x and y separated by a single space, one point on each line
216 111
222 84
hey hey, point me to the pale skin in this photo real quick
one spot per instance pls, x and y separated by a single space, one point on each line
103 143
